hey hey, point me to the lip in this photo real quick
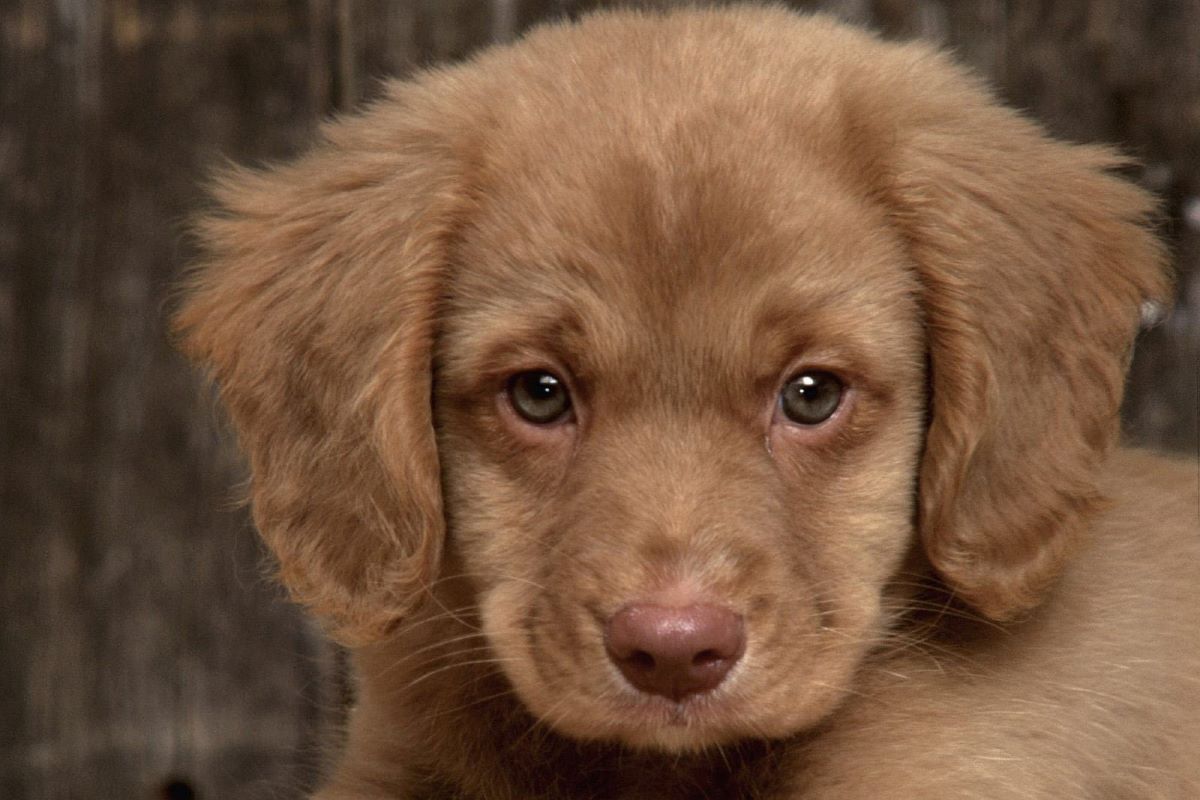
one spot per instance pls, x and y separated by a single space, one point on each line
666 726
700 712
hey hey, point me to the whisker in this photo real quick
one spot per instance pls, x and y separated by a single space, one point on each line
455 665
409 656
476 702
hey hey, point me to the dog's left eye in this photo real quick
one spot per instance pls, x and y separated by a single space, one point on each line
539 397
810 398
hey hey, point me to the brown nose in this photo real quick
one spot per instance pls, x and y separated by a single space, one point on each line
675 652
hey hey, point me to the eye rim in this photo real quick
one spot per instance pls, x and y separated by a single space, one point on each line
843 390
562 415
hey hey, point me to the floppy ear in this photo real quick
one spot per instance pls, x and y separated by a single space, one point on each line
314 311
1034 262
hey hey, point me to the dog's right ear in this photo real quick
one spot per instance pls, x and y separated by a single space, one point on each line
313 308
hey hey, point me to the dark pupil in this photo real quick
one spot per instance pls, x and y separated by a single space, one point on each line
542 387
539 396
812 397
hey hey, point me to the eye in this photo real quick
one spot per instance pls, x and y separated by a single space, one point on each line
539 397
810 398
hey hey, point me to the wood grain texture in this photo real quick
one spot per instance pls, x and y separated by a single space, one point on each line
141 643
1129 73
384 39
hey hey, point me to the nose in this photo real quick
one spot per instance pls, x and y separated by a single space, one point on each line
675 652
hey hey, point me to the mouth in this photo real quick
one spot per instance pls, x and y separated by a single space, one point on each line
692 723
694 711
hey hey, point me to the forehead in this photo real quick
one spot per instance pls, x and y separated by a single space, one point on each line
687 258
668 234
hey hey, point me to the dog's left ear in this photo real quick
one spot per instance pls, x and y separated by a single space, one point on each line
1034 261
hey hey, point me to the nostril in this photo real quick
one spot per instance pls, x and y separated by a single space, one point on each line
706 657
641 660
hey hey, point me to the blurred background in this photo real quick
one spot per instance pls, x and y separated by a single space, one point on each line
142 652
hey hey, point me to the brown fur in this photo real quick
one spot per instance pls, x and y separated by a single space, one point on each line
953 589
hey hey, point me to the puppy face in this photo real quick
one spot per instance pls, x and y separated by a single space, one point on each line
673 337
669 472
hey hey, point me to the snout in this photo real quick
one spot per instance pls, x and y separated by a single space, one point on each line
675 652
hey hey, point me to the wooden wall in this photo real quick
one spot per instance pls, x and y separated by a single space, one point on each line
142 654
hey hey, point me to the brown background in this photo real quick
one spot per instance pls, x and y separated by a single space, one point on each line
142 653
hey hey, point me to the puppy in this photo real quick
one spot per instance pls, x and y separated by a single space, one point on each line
712 404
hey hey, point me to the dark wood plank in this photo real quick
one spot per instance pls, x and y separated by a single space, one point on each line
380 39
1129 73
140 641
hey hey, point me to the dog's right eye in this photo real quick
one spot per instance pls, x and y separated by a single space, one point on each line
539 397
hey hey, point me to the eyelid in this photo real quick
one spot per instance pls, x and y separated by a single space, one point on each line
822 362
